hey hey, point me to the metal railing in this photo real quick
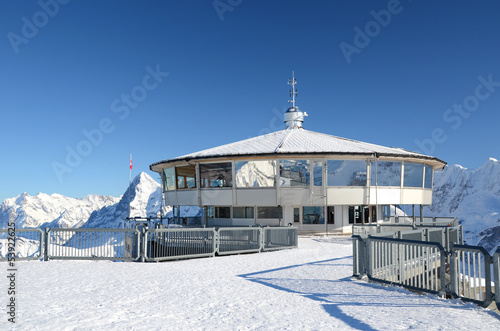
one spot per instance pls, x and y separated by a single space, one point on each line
412 264
239 240
441 234
24 244
279 238
425 220
91 244
454 269
173 244
471 274
143 244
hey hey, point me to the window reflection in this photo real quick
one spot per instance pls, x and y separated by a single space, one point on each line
318 173
255 173
385 173
216 175
346 173
313 215
169 179
243 212
428 176
294 173
413 174
222 212
186 177
269 212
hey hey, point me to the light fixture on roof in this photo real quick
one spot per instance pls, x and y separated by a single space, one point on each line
294 117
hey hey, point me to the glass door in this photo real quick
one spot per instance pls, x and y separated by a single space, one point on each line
297 215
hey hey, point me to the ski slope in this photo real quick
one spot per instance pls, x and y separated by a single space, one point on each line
309 288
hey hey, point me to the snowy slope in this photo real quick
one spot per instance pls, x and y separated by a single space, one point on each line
472 195
51 210
309 288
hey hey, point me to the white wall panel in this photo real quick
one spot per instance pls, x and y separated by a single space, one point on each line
256 197
217 197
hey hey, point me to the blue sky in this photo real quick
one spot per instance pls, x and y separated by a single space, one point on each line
86 83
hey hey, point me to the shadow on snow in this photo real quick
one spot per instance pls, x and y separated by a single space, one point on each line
334 295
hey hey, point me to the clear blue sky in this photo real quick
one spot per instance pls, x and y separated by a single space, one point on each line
70 67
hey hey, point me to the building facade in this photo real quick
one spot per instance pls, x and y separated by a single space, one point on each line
298 177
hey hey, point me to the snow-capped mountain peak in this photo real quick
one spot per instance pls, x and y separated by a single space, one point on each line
472 195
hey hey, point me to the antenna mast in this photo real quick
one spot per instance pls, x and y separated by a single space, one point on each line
293 91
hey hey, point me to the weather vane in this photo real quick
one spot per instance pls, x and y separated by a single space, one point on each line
293 90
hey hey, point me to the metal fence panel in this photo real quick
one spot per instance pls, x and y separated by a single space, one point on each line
239 240
28 244
496 275
435 235
280 238
411 235
173 244
471 274
92 244
364 229
412 264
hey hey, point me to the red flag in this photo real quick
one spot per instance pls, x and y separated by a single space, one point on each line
130 162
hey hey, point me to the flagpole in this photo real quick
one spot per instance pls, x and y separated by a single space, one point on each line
129 184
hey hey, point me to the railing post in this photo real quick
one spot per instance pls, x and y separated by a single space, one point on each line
488 260
262 235
369 254
454 273
143 244
443 254
496 274
46 242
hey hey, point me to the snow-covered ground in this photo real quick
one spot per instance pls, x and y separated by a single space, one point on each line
309 288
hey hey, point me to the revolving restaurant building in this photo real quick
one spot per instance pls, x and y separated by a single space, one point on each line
307 179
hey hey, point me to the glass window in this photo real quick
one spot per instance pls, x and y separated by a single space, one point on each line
313 215
216 175
296 215
210 211
385 173
255 173
318 173
346 173
186 177
269 212
169 179
386 212
294 173
243 212
413 174
428 176
222 212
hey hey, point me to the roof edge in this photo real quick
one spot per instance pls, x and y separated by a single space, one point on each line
373 155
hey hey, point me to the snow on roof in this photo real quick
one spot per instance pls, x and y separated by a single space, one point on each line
298 141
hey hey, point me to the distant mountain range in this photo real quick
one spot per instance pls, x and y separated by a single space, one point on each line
54 210
92 211
472 195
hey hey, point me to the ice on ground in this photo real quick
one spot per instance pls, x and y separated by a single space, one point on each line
307 288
